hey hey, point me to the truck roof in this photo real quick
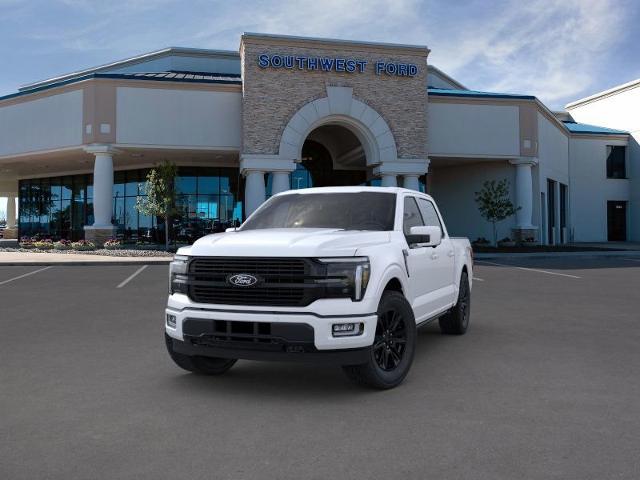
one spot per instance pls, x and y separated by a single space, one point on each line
350 189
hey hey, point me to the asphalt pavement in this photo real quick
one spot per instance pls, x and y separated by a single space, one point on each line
544 385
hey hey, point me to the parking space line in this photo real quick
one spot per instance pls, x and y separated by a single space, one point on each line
132 276
25 275
528 269
476 279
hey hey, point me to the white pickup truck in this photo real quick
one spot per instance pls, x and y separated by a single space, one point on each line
340 275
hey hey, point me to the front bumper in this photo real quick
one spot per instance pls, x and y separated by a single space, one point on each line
193 321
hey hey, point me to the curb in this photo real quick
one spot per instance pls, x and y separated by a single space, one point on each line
83 263
595 254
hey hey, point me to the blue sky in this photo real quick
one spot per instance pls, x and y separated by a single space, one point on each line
556 50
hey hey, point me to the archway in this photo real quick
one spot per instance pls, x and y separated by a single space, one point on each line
333 156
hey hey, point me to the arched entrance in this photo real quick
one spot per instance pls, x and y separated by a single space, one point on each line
333 156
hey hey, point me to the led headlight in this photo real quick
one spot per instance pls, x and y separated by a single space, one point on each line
345 276
178 274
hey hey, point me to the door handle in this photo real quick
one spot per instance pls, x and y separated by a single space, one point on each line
434 256
451 253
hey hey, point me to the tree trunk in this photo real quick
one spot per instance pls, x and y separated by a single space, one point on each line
495 234
166 233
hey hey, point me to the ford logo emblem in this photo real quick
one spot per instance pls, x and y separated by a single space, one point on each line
242 280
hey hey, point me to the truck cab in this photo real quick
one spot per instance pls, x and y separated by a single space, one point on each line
339 275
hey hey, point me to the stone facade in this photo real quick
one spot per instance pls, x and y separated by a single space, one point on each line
272 96
98 235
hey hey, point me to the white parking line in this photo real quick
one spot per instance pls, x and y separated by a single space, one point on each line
476 279
528 269
25 275
132 276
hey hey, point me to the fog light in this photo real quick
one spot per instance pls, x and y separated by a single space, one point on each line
171 321
347 329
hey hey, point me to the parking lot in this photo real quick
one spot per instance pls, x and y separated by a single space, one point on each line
544 385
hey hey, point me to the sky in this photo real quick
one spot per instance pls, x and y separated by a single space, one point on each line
557 50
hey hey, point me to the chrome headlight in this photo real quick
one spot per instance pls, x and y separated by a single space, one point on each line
178 270
345 276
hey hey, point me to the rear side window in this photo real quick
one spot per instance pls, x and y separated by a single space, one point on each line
411 216
429 214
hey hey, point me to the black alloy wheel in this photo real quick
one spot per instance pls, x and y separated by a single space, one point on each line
393 345
390 340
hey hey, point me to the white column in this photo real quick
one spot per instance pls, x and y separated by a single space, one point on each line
280 182
254 191
411 182
11 211
524 192
103 189
389 180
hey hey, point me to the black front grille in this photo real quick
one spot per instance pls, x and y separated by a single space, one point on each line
281 281
264 336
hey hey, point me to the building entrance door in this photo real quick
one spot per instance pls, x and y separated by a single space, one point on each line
617 221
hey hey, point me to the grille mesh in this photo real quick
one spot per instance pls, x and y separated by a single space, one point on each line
281 281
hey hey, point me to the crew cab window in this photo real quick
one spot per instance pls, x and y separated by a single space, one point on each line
429 214
411 216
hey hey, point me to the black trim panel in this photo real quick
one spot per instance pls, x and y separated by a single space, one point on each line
270 312
351 356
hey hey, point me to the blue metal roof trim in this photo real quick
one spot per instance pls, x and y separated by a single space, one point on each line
575 127
228 79
444 92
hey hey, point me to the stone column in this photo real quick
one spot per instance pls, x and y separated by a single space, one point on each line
102 228
254 190
11 211
280 182
11 232
524 198
389 180
412 182
253 168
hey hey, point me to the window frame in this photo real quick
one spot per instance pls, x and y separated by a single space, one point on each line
608 169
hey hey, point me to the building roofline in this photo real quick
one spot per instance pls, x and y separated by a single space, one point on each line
119 76
445 92
131 61
604 93
336 41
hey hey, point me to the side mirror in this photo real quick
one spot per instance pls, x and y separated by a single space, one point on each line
421 236
231 229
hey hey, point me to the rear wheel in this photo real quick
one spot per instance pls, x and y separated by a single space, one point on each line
199 365
393 346
456 320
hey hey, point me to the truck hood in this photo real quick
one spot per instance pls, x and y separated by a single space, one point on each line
286 242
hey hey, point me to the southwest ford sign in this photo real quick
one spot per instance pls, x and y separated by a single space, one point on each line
331 64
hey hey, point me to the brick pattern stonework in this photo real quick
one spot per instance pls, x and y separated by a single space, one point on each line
271 96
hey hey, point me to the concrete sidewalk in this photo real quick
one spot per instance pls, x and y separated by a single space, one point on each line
32 258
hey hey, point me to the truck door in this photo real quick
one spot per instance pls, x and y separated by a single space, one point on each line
423 266
442 256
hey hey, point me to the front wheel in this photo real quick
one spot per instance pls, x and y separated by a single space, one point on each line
456 320
393 346
199 365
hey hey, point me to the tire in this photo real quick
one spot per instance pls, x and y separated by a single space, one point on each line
393 346
456 320
199 365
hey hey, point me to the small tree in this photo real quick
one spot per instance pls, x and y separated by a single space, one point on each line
494 203
160 193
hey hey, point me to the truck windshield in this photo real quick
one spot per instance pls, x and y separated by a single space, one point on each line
346 211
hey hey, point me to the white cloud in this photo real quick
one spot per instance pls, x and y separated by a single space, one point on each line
554 49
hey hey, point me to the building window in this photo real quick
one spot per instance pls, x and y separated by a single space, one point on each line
208 201
616 161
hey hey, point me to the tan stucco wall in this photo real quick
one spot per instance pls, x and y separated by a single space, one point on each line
271 96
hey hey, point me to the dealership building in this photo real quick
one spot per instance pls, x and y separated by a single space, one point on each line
289 112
